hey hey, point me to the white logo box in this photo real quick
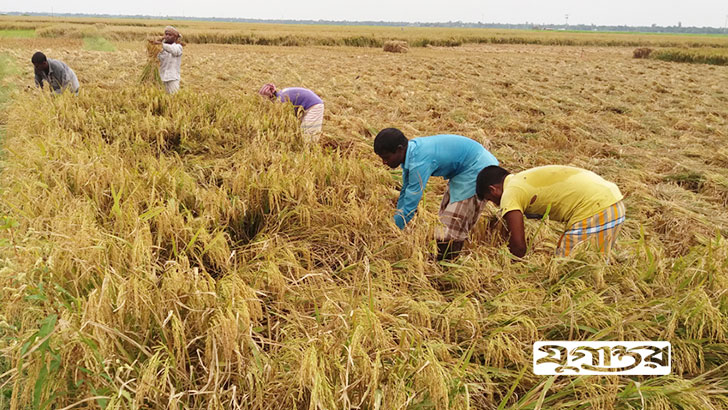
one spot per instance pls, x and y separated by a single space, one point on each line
601 358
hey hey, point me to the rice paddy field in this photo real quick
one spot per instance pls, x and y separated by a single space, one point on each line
191 252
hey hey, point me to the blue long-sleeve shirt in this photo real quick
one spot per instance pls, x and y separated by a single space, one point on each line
453 157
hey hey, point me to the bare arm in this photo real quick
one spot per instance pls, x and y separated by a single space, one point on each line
517 240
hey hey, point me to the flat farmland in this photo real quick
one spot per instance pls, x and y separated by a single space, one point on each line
193 252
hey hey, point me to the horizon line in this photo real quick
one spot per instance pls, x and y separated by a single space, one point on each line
358 22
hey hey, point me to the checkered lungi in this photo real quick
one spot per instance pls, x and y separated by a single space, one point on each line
313 120
458 218
600 229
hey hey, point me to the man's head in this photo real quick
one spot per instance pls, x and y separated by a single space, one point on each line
40 61
391 145
489 185
268 90
171 35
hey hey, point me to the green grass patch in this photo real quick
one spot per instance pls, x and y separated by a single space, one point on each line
7 68
17 33
97 43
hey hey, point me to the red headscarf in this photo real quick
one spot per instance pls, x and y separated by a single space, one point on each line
268 90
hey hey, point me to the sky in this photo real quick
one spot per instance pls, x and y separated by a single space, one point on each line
713 13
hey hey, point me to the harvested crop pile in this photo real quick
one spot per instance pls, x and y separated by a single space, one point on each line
396 46
641 52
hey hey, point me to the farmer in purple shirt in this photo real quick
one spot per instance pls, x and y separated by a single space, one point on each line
456 158
302 99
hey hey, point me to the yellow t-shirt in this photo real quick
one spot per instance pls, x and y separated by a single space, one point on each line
574 194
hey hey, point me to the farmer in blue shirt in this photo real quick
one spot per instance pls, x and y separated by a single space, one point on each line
453 157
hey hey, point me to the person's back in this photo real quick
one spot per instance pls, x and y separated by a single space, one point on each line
301 97
303 100
569 194
591 207
453 157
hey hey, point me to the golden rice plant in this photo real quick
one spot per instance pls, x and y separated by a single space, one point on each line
150 72
203 255
704 55
201 32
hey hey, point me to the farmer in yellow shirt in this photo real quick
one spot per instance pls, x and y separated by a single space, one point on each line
590 206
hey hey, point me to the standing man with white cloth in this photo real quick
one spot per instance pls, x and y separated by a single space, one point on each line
170 59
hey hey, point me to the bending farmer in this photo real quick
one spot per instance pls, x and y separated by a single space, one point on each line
453 157
304 100
590 206
56 73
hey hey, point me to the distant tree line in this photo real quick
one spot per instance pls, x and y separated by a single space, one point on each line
679 28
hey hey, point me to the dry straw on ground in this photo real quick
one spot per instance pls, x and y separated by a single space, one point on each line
395 46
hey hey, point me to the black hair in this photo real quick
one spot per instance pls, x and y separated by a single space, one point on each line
388 140
38 58
489 176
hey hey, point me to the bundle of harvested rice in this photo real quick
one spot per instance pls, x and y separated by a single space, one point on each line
396 46
150 73
641 52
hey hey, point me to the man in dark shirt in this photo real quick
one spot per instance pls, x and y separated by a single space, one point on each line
56 73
